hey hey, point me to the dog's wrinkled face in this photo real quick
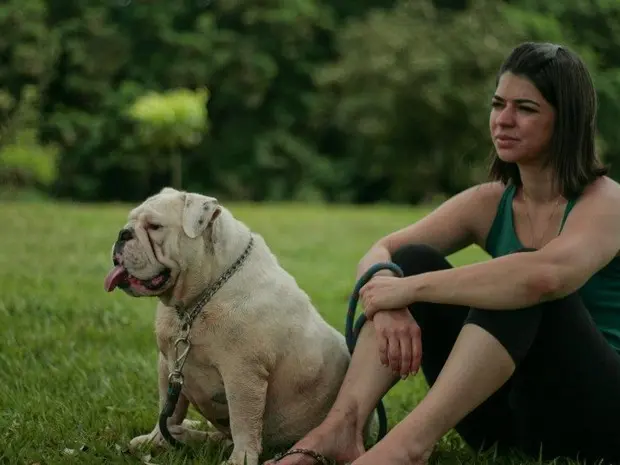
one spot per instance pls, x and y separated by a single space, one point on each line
161 238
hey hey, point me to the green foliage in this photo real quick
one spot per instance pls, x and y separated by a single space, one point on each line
30 161
24 162
173 118
375 100
416 103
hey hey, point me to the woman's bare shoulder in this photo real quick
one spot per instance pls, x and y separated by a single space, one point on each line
484 200
602 187
489 191
600 199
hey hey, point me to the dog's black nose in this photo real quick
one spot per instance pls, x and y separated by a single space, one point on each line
125 235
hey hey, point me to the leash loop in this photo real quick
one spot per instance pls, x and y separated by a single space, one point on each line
180 359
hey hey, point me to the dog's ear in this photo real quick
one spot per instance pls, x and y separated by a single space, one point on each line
198 213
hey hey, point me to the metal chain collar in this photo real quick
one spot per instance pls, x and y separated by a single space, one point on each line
187 318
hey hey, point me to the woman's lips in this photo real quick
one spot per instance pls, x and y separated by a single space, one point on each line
505 142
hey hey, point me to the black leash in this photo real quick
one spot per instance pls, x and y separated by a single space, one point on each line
352 331
174 391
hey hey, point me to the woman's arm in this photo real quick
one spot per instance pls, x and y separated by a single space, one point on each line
452 226
513 281
590 239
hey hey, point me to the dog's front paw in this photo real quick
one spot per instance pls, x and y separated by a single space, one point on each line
181 433
217 437
153 439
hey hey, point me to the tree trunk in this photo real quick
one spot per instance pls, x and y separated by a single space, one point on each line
176 166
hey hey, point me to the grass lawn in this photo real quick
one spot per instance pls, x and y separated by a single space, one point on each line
78 365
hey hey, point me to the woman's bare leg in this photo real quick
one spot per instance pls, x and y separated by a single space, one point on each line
340 437
477 367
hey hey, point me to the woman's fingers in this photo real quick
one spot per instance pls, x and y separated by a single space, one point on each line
406 355
382 340
416 359
394 352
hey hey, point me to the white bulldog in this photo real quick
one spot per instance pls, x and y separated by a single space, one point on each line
263 366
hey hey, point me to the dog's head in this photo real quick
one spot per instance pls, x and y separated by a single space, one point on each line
163 237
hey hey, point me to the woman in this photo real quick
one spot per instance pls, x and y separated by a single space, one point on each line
520 351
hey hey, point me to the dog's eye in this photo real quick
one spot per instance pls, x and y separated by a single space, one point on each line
153 227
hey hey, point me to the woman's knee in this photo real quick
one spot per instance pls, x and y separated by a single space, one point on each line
518 329
515 330
419 258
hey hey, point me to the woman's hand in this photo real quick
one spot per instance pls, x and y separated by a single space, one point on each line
400 341
385 293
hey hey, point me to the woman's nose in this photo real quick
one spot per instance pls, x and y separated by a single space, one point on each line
506 117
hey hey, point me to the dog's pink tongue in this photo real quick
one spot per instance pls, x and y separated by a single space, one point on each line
116 275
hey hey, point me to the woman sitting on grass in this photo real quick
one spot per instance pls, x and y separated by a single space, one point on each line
520 351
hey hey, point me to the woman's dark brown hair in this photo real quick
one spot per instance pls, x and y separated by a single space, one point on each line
564 81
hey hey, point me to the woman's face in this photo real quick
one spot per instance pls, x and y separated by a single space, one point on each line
521 121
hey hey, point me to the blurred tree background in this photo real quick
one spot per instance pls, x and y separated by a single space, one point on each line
308 100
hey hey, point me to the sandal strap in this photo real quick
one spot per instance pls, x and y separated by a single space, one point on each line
315 455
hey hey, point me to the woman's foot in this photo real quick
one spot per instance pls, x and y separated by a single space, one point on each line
334 439
396 448
392 455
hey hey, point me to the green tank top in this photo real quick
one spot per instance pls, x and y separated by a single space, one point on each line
600 294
